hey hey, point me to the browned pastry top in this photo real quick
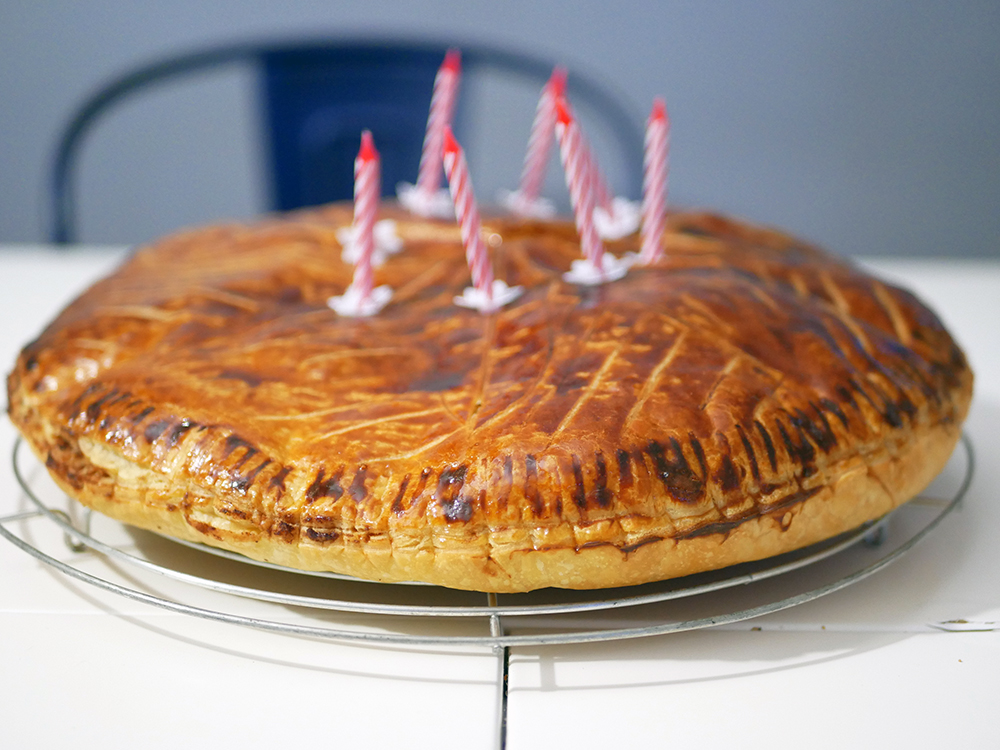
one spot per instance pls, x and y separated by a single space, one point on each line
722 384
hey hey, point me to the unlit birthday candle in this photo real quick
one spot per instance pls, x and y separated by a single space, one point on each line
439 119
359 240
595 267
527 200
361 299
426 198
654 182
486 293
592 170
614 217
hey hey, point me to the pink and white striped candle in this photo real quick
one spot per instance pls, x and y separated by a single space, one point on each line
438 119
367 182
361 299
540 141
467 213
573 153
654 182
599 185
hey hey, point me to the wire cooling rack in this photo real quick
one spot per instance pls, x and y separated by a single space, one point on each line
332 607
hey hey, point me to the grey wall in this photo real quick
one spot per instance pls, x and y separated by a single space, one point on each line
870 128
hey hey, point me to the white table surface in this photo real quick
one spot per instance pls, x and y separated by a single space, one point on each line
873 665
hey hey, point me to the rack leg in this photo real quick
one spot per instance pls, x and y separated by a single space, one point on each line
877 535
74 544
503 671
503 657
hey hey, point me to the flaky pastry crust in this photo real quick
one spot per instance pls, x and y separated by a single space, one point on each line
744 396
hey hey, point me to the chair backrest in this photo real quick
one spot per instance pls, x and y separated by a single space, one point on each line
317 96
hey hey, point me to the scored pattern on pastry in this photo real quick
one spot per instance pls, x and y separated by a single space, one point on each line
742 381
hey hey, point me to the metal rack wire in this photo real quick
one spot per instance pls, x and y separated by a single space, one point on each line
349 610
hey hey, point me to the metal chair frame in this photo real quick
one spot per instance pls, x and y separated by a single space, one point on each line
616 114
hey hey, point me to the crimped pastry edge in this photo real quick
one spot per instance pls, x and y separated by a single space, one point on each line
856 491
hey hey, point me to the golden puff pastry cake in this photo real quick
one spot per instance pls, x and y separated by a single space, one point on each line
744 396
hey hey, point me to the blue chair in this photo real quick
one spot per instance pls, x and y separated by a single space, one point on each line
316 97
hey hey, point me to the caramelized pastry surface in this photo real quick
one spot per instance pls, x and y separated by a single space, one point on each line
744 396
